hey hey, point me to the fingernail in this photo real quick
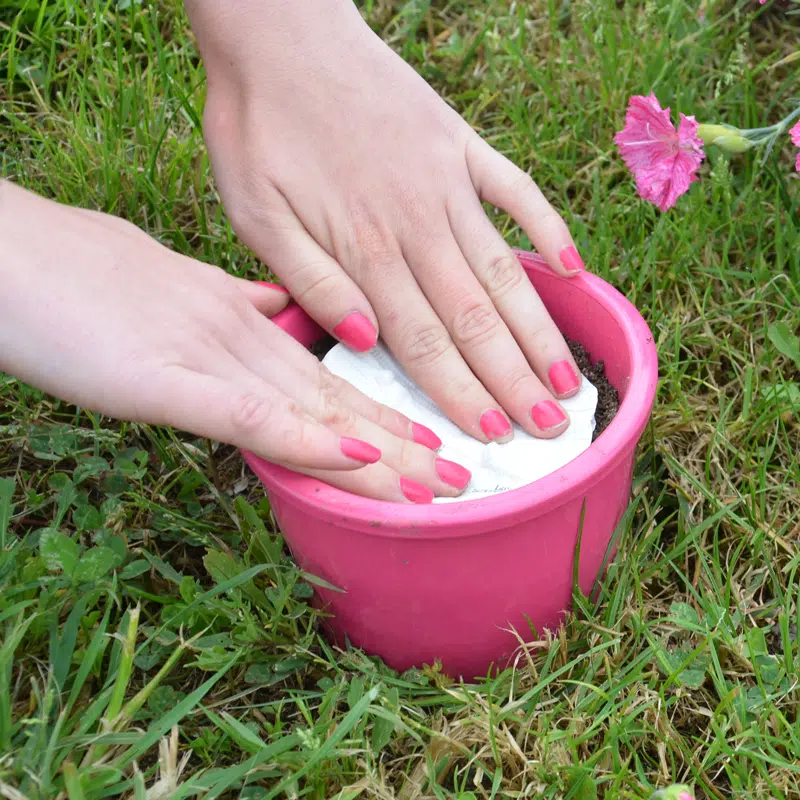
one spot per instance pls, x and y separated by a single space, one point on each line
547 414
453 473
571 259
276 286
356 331
416 492
495 425
563 378
360 451
425 436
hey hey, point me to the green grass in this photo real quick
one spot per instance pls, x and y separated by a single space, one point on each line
149 613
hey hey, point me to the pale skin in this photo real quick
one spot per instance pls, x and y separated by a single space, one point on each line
361 189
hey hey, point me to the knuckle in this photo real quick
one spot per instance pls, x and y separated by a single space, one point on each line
371 243
427 344
369 235
539 333
503 274
253 412
524 184
391 420
331 386
415 207
250 205
518 380
406 458
475 322
233 304
334 415
244 216
297 439
551 221
318 284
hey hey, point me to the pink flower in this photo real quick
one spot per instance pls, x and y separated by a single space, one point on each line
795 134
663 161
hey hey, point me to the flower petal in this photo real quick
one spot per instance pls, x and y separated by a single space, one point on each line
795 134
664 161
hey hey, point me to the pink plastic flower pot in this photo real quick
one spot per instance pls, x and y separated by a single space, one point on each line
447 582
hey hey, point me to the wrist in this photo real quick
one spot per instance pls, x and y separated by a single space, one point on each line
258 42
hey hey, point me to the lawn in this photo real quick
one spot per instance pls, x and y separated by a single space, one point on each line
155 638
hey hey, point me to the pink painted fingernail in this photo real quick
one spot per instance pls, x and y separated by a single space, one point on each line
416 492
356 331
547 414
276 286
571 259
563 378
495 425
425 436
453 473
359 451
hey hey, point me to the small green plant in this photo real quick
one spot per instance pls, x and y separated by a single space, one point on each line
788 345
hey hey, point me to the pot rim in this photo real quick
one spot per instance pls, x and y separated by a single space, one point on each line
386 519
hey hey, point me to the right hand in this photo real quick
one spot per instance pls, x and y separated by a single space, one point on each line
99 314
361 188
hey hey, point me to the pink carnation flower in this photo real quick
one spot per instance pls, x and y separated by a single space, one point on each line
795 134
663 161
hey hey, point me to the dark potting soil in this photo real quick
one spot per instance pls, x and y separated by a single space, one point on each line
320 349
607 396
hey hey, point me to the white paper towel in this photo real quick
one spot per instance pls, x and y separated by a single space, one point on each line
495 467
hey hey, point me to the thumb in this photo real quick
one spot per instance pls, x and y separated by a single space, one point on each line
315 279
268 298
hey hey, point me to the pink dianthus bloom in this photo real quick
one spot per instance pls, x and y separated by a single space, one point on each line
795 134
663 161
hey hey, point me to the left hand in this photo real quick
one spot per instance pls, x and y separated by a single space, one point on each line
346 173
99 314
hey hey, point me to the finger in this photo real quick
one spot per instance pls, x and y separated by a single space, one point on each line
250 414
421 343
483 338
315 280
275 362
408 459
500 182
378 482
268 298
281 361
387 418
502 277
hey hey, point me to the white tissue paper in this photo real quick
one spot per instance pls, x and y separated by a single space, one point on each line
495 467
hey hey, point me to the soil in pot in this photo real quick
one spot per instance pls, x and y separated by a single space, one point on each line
607 396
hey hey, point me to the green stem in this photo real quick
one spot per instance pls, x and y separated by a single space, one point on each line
777 129
734 140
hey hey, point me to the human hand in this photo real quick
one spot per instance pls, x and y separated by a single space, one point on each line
99 314
346 173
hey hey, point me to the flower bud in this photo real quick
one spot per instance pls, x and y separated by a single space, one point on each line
726 137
